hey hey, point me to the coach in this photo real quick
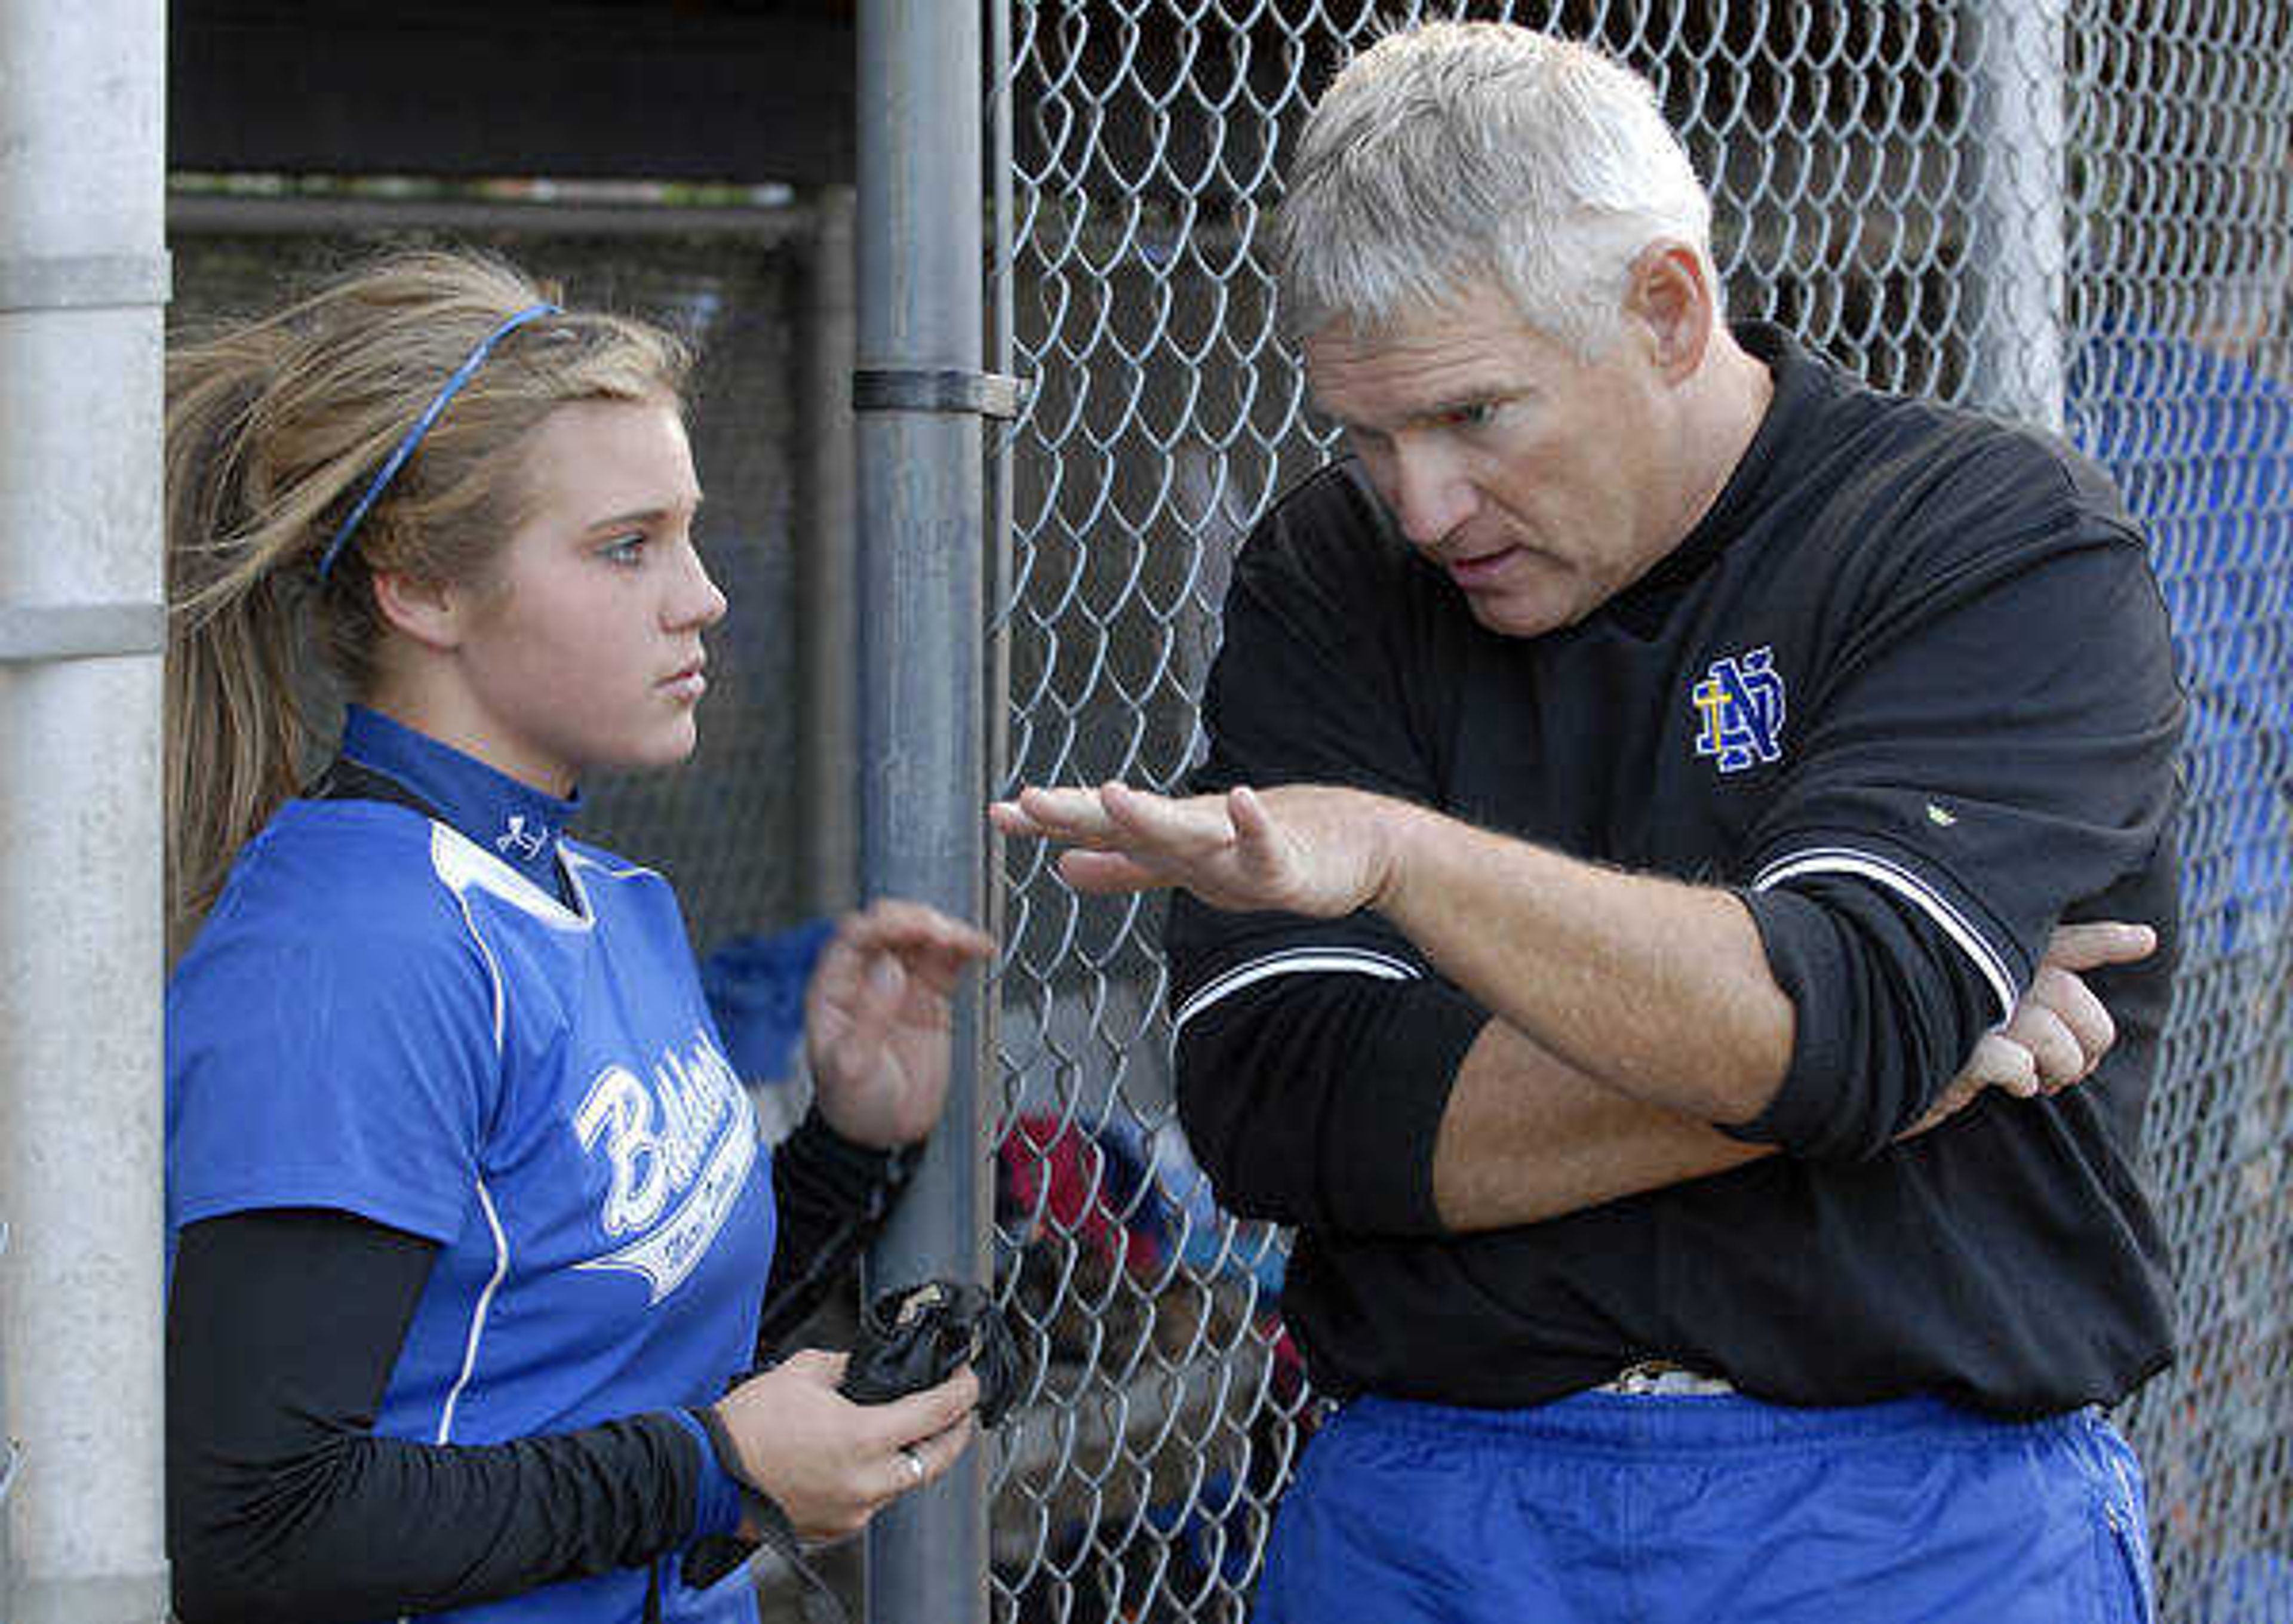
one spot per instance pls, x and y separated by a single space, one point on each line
1639 778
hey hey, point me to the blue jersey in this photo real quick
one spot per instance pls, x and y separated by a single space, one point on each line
385 1017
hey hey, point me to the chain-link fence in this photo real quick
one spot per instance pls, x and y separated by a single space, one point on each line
2181 223
2077 212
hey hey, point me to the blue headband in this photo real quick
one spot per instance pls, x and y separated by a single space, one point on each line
389 470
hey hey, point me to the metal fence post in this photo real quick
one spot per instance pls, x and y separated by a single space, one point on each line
921 393
2019 151
827 571
83 274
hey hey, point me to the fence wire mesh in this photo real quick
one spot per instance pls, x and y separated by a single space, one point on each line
2181 220
2073 210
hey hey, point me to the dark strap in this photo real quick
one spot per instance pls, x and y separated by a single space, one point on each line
345 779
833 1198
709 1559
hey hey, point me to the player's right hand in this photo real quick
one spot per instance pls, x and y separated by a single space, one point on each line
832 1464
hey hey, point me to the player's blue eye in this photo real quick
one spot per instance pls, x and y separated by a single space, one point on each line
1476 416
625 550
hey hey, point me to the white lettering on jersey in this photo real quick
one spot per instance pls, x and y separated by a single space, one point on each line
619 1107
682 1145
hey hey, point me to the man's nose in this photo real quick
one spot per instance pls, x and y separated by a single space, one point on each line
1431 494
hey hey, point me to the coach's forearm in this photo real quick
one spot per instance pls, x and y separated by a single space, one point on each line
1527 1137
1657 990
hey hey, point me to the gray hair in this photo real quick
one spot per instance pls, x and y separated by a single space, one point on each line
1465 152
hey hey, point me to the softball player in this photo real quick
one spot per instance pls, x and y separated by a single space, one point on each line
471 1225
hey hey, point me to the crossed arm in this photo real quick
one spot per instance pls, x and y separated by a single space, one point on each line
1631 1012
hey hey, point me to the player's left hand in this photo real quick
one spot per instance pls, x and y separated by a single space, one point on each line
876 1019
1300 848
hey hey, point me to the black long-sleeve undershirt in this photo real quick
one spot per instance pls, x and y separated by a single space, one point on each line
283 1326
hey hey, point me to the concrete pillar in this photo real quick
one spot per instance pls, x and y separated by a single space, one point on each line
82 276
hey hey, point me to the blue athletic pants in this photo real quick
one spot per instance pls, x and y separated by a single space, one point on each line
1602 1508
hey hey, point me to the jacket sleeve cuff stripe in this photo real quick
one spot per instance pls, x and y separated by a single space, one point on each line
1911 888
1295 961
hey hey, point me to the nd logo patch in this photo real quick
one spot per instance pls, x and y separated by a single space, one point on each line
1740 708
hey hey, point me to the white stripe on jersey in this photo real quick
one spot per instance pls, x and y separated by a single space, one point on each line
477 1314
1903 883
450 858
1295 961
575 861
462 865
493 968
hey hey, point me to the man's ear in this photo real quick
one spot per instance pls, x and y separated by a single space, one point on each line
429 612
1669 294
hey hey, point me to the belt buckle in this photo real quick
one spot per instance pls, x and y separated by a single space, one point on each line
1663 1378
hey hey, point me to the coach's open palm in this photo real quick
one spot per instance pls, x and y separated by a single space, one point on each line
1301 848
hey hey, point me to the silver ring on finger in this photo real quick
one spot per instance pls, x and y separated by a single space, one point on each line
915 1463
